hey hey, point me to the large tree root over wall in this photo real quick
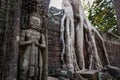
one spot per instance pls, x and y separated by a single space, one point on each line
73 39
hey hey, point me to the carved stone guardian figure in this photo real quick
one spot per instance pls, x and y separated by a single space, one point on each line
32 43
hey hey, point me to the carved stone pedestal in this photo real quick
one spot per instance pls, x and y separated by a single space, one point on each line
90 75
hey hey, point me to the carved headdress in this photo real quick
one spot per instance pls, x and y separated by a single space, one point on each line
38 16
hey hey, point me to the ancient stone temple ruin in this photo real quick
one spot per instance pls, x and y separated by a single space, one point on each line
55 43
42 43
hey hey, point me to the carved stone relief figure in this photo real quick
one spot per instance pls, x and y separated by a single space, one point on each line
32 43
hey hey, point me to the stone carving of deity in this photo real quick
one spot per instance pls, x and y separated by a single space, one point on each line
32 42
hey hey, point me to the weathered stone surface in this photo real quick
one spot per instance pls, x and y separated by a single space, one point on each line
106 76
90 75
113 71
62 78
113 50
52 78
54 48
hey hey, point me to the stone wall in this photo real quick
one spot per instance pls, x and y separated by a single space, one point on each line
54 48
2 30
113 50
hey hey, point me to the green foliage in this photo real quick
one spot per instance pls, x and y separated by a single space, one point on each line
102 15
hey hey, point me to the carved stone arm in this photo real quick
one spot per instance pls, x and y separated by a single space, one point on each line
22 39
25 43
42 44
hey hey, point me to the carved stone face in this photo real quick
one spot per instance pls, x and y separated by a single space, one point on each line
66 3
35 22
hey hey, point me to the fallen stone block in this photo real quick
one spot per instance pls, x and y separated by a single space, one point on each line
90 75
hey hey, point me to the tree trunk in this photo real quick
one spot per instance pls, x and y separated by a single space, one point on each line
117 9
83 30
